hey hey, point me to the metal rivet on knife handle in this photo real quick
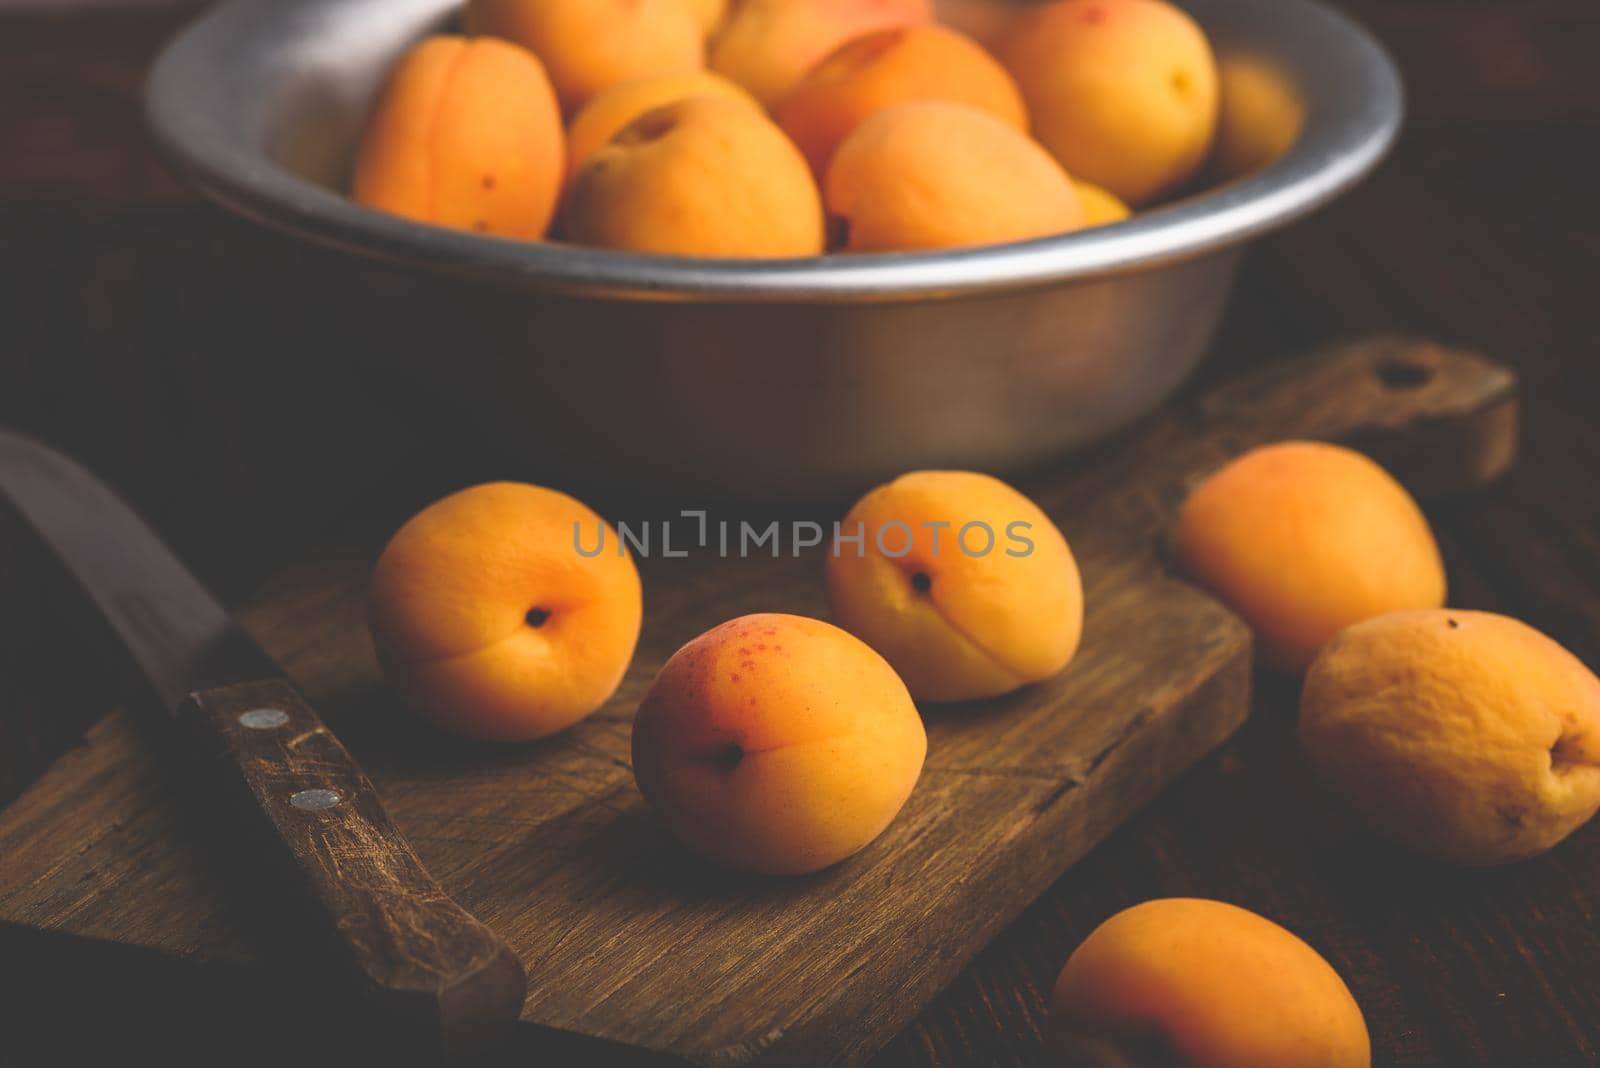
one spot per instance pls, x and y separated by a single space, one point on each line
263 719
314 800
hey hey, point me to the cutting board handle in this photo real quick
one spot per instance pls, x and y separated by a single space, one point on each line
424 961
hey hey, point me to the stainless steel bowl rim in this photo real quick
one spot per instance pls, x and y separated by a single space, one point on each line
1343 140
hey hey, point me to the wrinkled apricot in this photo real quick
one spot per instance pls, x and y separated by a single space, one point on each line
1123 92
466 134
1468 736
1303 539
700 177
777 744
767 46
933 175
601 118
591 45
887 67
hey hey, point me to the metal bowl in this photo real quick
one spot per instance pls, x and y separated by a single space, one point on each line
765 379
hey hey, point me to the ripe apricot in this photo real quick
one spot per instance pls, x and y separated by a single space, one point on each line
874 71
1303 539
1262 115
1123 92
591 45
601 118
490 623
961 582
1183 981
767 46
932 175
1468 736
1099 207
700 177
777 744
465 134
710 14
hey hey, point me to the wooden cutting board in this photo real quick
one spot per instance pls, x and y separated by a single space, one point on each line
110 862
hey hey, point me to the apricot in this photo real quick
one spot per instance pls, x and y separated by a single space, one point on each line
961 582
1303 539
601 118
591 45
710 14
1468 736
1202 984
1261 118
777 744
466 134
1123 92
767 46
1099 207
490 623
877 70
932 175
700 177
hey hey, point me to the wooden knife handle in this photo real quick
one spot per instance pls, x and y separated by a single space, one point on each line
418 954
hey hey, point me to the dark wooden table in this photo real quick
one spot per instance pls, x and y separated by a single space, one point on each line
130 315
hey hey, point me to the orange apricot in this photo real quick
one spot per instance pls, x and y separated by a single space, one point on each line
466 134
1467 736
767 46
710 14
491 623
591 45
777 744
1123 92
932 175
1262 115
1303 539
961 582
1099 207
705 176
1184 981
609 112
877 70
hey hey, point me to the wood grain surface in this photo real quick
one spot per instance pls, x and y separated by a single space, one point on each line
137 321
630 939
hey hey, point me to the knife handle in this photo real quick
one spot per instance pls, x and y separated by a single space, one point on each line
421 957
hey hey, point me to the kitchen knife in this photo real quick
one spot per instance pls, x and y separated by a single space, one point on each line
427 963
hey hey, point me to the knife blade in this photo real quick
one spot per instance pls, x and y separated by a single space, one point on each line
413 951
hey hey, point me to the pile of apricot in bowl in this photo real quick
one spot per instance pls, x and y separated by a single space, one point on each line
793 128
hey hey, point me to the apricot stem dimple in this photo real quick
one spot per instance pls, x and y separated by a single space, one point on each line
922 582
728 757
537 617
1564 756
